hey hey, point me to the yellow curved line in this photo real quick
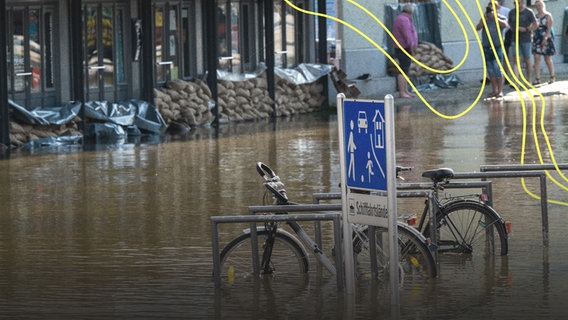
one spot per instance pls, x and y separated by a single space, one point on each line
362 34
534 120
369 13
516 83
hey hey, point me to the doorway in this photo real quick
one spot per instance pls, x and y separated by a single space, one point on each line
106 76
31 49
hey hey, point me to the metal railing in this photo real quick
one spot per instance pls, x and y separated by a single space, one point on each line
518 174
528 170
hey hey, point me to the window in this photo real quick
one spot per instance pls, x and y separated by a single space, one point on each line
174 38
30 53
238 30
290 34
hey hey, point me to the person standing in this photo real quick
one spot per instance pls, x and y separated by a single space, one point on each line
495 22
407 38
543 42
523 27
504 11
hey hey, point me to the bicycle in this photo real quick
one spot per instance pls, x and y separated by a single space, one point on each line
284 257
464 225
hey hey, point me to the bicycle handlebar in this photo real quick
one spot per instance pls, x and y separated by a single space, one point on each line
401 169
265 171
272 182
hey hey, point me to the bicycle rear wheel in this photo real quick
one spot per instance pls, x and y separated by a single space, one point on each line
470 228
288 260
415 260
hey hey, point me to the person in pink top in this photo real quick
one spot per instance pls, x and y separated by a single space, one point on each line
405 33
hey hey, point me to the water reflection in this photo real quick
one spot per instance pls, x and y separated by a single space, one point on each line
125 232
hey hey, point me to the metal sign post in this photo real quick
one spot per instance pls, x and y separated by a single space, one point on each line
368 166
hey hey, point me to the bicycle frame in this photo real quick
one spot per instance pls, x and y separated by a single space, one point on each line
308 243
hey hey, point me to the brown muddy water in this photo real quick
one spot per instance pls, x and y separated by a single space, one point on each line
124 232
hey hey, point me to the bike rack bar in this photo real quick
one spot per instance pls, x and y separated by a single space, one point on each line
520 173
522 167
253 219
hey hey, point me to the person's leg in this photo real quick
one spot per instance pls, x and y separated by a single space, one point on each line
495 75
506 70
536 68
550 65
528 65
514 60
403 87
498 74
404 61
494 86
527 54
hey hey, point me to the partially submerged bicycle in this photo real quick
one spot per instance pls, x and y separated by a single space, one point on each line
464 225
283 256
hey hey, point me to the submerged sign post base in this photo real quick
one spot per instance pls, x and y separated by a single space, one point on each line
368 176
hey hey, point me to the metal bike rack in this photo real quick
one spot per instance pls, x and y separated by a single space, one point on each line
410 190
516 174
253 219
527 170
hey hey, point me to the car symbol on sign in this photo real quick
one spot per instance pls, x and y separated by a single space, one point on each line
362 121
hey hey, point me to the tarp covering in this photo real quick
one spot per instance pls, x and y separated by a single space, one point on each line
440 81
132 113
105 121
46 116
119 113
303 73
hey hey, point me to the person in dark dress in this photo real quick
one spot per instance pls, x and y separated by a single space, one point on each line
543 41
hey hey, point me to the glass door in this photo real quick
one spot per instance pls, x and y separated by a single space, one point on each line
31 81
167 34
103 46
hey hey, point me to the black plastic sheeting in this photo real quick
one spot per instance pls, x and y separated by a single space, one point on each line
301 74
45 116
440 81
106 122
136 113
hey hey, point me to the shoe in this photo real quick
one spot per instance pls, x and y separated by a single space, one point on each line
536 81
552 79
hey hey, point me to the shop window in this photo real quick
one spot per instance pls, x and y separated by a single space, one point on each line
238 30
290 34
174 34
30 52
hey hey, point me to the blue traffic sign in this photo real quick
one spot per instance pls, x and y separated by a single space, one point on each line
365 144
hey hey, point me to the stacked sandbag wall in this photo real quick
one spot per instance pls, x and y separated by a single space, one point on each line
21 134
298 98
190 102
185 102
243 100
428 54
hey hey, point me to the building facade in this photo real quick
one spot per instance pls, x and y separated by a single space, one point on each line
457 43
93 50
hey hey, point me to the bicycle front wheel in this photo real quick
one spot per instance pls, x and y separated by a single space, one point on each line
288 260
415 260
470 228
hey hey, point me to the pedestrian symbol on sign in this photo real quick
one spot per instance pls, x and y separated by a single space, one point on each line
365 148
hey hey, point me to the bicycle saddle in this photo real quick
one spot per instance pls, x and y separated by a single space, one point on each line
438 175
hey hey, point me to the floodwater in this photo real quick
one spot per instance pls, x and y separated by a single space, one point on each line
124 232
